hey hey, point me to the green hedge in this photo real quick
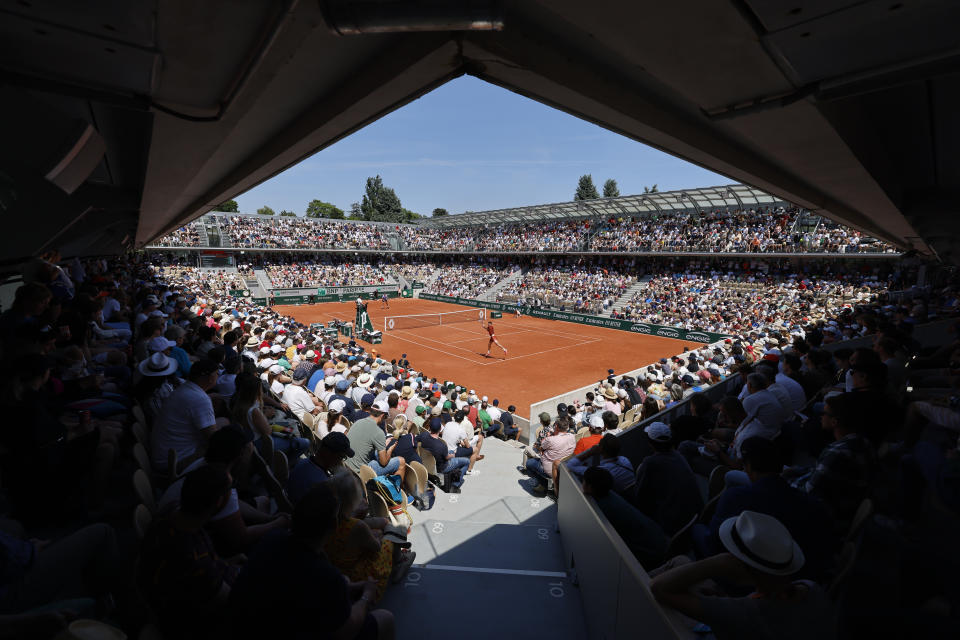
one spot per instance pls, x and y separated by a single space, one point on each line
646 328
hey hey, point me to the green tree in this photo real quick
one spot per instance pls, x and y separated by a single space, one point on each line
652 189
230 206
610 189
288 213
410 215
265 211
321 209
586 190
380 202
438 212
355 212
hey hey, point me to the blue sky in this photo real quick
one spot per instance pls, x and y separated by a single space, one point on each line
472 146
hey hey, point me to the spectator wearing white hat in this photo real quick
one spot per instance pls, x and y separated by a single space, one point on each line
333 420
595 424
760 553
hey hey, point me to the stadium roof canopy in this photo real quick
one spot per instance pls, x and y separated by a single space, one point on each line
124 120
708 198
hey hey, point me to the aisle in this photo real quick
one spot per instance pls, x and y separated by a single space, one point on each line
489 562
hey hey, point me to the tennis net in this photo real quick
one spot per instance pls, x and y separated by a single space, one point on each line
393 323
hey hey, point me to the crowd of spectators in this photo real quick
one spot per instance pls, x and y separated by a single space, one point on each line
738 297
747 230
291 232
190 235
730 231
535 236
832 475
468 280
248 425
576 287
122 364
327 271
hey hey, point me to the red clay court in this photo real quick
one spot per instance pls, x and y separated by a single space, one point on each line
546 357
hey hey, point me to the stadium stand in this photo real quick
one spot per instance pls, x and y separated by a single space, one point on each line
160 350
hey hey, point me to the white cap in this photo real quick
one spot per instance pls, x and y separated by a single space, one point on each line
484 399
275 369
659 431
596 420
264 350
381 406
159 344
337 405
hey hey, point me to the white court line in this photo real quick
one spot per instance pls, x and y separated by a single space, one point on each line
536 353
396 335
505 572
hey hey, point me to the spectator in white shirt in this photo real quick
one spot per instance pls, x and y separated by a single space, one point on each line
186 420
297 398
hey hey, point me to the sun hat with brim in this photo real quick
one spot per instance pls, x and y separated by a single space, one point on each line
157 365
609 393
365 380
341 367
762 542
406 392
252 342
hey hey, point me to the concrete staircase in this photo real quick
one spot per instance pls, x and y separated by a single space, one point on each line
625 297
491 293
263 279
497 546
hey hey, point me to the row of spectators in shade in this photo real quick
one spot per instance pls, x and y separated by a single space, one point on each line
758 230
233 414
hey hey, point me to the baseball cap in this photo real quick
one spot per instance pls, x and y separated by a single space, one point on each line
337 443
342 385
659 431
544 417
302 372
596 421
381 406
420 409
367 399
160 344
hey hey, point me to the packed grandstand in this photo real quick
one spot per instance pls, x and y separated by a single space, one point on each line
232 413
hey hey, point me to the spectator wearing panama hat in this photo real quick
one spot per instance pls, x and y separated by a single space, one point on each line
612 399
759 552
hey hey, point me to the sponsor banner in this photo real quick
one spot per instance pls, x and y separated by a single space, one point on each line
306 291
312 298
705 337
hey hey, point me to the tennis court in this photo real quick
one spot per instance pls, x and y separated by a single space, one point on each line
546 357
